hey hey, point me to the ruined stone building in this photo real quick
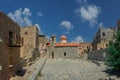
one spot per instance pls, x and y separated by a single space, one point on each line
85 47
43 45
30 48
102 38
100 43
63 49
10 43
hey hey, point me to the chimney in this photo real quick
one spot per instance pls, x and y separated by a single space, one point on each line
53 37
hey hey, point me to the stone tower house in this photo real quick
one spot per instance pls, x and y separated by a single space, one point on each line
9 47
103 37
30 48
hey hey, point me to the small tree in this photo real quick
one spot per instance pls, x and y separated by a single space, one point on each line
113 59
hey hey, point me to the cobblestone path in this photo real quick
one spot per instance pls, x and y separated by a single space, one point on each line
67 69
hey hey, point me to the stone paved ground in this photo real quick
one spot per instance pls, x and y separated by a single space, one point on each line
66 69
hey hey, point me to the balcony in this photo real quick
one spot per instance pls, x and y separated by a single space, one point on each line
13 44
15 41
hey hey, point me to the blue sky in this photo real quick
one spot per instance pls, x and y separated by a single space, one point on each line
77 19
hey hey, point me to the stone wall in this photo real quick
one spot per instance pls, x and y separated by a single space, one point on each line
102 45
42 46
9 47
85 47
30 48
99 55
64 52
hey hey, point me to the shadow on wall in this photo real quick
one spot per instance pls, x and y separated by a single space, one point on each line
21 72
29 61
113 73
35 54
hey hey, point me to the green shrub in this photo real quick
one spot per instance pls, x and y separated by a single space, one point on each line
113 59
40 74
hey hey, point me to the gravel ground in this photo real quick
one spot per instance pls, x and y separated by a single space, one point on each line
70 69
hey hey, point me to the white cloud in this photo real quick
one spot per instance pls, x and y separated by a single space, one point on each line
27 12
101 24
40 14
66 24
12 16
88 13
78 39
48 37
22 17
37 25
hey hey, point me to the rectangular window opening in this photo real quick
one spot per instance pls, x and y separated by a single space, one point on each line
64 53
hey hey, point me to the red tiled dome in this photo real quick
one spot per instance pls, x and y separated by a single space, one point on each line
63 37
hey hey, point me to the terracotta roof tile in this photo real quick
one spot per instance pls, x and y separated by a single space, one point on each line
66 45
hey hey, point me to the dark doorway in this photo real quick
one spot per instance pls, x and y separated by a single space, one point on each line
64 53
52 55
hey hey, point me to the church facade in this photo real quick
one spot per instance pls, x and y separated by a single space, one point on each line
63 49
